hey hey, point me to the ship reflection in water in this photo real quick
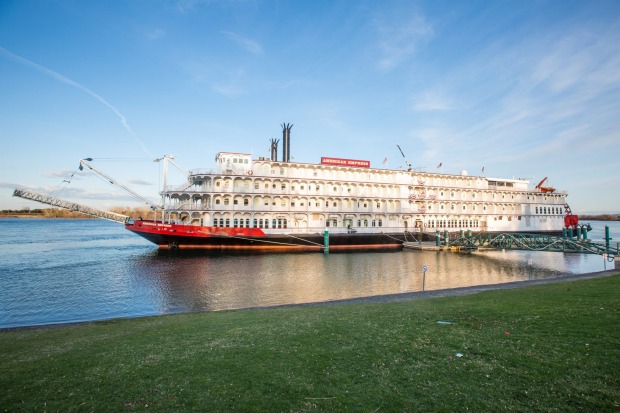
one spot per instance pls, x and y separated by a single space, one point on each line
58 271
191 282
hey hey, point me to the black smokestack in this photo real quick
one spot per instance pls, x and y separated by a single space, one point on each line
286 142
274 149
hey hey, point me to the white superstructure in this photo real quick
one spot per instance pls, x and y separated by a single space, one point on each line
308 198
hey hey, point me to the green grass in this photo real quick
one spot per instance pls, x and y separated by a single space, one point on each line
551 348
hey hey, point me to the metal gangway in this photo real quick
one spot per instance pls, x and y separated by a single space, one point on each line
532 242
71 206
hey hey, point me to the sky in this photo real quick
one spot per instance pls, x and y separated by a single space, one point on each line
524 89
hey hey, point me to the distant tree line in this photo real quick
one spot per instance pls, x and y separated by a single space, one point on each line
134 213
604 217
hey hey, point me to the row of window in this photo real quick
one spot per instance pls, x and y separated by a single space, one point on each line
549 210
257 223
282 223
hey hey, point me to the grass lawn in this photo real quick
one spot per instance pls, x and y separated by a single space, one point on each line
552 347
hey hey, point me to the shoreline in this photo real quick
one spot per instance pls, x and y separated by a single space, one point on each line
375 299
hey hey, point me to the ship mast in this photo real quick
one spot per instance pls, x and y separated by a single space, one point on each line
405 158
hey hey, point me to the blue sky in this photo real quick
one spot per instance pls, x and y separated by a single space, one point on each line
526 89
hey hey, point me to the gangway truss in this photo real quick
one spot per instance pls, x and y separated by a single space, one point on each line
533 242
71 206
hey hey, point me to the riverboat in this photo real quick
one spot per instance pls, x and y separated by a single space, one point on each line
339 204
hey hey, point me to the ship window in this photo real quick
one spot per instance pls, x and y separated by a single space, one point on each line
380 222
218 183
255 185
246 202
217 202
274 223
302 187
335 189
260 223
335 204
274 186
235 223
463 207
234 160
365 205
378 204
292 203
226 201
365 222
279 223
373 223
285 223
359 223
235 202
266 186
281 171
255 223
247 223
227 222
283 186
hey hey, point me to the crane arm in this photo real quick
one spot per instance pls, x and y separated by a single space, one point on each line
541 182
405 158
135 195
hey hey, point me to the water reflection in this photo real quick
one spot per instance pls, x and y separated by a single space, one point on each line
54 271
192 282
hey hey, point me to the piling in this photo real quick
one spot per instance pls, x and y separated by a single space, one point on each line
326 241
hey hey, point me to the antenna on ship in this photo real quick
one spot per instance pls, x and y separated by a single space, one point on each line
405 158
286 141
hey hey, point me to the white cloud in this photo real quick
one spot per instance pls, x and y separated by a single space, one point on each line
63 79
245 43
431 101
400 36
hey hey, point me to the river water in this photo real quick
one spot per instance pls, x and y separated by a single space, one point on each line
58 271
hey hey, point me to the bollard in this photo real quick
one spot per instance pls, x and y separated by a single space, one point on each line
607 238
437 239
584 233
563 232
578 233
570 232
326 241
445 237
